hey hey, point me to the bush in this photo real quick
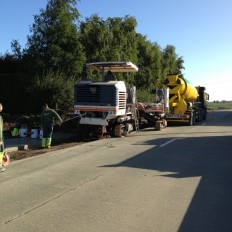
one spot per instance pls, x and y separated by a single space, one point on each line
53 88
145 96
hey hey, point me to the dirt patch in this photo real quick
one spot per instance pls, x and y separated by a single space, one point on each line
67 126
22 154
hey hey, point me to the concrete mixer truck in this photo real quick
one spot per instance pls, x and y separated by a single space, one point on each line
186 103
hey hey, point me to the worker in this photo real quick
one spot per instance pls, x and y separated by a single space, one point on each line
159 96
23 122
109 76
2 168
48 118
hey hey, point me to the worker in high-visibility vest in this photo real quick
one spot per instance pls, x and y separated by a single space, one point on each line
2 169
48 118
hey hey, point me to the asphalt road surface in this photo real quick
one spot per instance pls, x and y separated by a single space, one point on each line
175 180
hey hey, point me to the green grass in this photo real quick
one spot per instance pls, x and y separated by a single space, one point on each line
219 105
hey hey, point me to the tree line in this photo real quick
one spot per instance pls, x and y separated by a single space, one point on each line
60 44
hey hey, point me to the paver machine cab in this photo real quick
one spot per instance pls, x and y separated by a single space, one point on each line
107 107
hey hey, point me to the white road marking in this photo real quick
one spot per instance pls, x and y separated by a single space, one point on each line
170 141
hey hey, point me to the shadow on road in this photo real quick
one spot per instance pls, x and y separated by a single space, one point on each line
211 206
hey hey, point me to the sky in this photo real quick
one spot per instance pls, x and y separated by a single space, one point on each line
200 30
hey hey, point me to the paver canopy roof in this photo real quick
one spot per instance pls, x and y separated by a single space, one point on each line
113 66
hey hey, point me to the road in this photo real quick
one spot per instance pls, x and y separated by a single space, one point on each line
175 180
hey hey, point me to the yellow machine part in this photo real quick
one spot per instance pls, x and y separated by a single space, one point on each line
180 93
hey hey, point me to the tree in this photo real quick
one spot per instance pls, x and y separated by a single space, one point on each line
53 89
54 43
16 50
95 38
180 64
113 39
110 40
124 43
150 63
172 64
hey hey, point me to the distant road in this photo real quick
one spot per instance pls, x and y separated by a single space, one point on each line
175 180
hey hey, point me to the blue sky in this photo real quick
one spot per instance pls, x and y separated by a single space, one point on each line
200 30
